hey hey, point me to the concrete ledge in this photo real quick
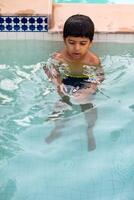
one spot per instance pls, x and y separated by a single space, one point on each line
107 17
25 7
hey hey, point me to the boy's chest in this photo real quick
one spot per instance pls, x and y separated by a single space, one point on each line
78 70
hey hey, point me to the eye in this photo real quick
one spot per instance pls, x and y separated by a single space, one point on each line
83 43
71 42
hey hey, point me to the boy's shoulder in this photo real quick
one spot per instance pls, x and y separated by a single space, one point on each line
60 57
57 55
93 59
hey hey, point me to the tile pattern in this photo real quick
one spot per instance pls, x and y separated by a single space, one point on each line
23 23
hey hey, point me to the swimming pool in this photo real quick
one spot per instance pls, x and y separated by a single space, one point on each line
37 165
96 1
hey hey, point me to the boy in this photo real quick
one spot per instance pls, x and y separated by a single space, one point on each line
81 67
76 71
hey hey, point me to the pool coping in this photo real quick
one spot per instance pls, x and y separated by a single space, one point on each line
46 36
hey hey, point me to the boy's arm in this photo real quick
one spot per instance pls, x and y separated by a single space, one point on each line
100 74
95 61
99 70
54 75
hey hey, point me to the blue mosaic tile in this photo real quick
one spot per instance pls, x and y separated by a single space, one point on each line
23 23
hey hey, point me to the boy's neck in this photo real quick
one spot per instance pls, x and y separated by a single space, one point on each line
70 59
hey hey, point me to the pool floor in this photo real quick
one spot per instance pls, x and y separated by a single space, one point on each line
37 163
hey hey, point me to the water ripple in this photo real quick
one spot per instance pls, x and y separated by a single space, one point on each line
5 99
24 121
7 84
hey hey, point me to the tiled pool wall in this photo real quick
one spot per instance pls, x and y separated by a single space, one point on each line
24 19
99 37
23 23
31 24
57 36
23 27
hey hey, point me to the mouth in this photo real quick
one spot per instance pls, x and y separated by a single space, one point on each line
76 55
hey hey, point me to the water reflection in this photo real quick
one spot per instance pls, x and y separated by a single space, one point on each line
62 115
7 191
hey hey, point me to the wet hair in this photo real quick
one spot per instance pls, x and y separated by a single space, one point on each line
79 26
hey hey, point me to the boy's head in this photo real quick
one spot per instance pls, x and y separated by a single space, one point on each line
79 26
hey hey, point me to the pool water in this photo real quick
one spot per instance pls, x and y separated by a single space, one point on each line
69 164
96 1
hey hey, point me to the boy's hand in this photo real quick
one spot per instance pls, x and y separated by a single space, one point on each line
62 89
53 75
95 81
47 72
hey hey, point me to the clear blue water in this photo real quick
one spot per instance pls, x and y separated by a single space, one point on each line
97 1
37 165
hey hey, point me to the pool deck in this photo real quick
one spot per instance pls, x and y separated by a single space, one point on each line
25 7
109 19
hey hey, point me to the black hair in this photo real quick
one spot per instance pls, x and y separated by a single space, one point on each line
79 26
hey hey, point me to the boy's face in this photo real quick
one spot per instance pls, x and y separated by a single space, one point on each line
77 47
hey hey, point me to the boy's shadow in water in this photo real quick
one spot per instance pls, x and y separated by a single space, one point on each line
90 113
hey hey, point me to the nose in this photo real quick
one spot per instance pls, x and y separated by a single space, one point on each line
77 47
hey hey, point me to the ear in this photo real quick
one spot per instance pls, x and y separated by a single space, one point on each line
64 39
90 44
